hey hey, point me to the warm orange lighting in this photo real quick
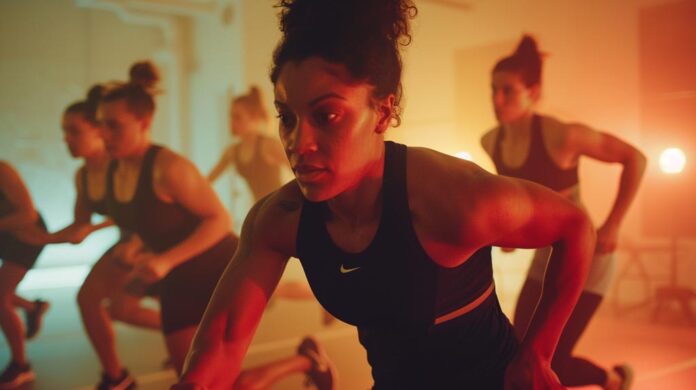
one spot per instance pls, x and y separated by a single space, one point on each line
672 161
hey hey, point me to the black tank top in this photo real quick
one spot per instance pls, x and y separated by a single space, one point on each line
159 224
97 206
393 283
262 177
6 207
539 166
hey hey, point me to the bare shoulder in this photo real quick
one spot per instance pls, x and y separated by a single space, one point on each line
6 169
171 165
443 185
275 218
488 140
8 174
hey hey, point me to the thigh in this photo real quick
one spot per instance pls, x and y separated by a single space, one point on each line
106 277
10 276
17 252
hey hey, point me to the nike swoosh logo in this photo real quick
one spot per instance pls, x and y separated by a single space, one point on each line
345 270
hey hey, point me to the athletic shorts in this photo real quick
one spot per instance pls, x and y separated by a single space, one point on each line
598 280
186 290
18 252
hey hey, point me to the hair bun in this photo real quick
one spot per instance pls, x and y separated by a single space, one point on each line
527 48
144 74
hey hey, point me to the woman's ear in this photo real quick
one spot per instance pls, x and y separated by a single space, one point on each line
145 122
385 111
535 92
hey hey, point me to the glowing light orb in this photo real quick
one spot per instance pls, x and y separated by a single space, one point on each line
672 161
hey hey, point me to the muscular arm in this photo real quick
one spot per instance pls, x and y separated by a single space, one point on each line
234 312
480 209
17 194
607 148
177 180
226 160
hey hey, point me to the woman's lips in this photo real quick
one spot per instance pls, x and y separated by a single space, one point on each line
308 173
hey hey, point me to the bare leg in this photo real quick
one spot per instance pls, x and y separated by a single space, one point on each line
178 344
259 378
104 278
10 276
129 309
22 303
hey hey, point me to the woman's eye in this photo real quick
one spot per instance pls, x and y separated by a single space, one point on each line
326 117
285 120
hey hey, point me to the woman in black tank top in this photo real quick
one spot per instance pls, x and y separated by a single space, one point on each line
161 196
394 240
101 298
546 151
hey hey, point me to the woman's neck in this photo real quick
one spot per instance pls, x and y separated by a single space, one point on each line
519 128
137 154
362 202
97 160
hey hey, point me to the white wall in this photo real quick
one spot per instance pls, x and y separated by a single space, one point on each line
52 52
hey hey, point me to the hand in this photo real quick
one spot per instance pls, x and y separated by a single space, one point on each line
607 239
528 371
127 252
78 233
150 267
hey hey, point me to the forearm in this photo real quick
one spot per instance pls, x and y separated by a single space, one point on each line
18 220
225 333
631 177
208 232
564 280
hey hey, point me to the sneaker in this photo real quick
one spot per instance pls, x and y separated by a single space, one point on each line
323 373
16 374
34 318
124 382
626 373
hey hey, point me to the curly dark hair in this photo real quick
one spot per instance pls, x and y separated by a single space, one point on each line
526 60
363 35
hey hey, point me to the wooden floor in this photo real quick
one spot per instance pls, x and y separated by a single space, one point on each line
662 352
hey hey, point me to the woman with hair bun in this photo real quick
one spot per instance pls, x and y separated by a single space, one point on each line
257 157
393 239
160 196
101 298
546 150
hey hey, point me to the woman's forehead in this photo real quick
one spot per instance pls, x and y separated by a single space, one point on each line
301 82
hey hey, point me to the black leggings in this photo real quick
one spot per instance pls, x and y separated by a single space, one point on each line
571 370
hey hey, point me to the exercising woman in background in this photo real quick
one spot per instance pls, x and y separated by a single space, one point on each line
20 224
160 196
106 280
545 150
